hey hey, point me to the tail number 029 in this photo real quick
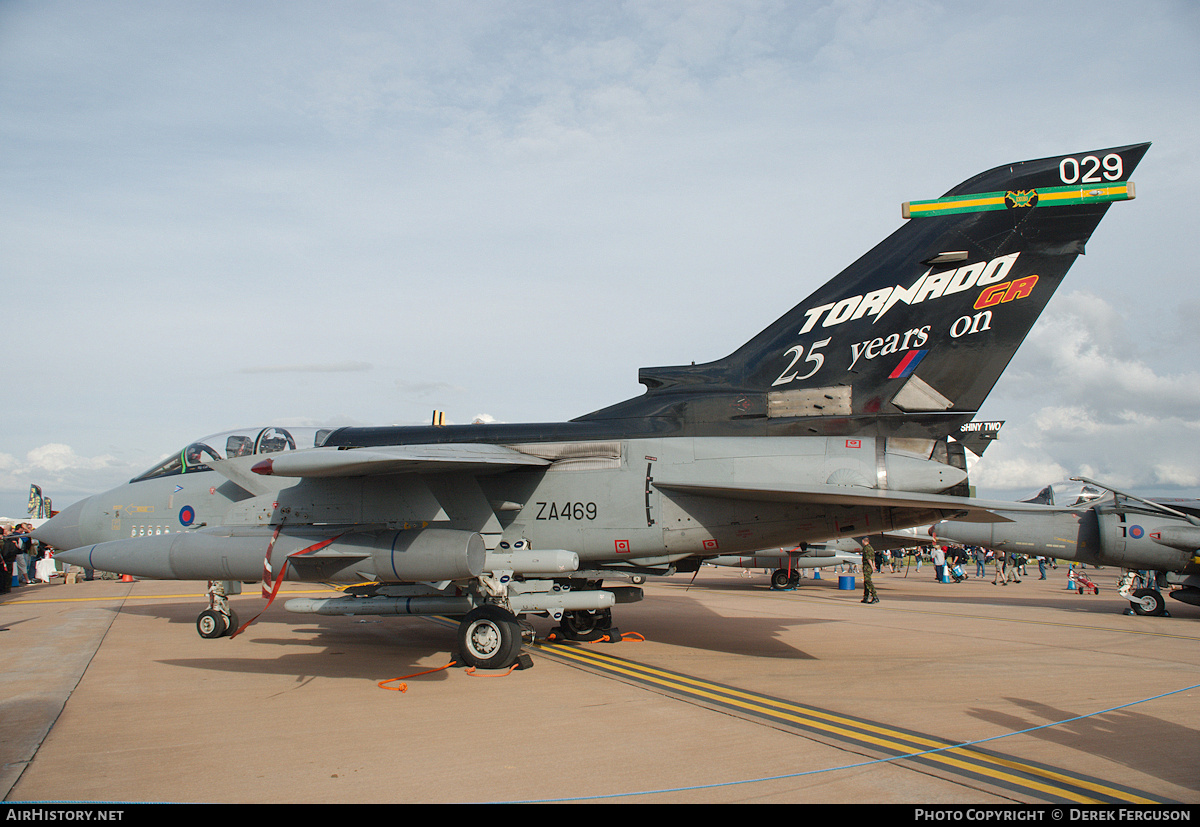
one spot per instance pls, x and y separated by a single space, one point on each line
1089 169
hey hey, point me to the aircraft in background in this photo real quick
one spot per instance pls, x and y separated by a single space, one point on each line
39 510
1093 524
789 563
833 422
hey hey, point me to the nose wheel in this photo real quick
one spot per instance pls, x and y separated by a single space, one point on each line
212 623
218 620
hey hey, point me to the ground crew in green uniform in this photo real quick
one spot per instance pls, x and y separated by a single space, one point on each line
868 560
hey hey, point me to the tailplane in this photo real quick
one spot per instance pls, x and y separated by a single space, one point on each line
910 338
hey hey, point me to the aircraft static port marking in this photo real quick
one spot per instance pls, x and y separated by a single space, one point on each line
998 769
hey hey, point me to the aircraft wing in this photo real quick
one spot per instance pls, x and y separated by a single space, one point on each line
396 459
966 509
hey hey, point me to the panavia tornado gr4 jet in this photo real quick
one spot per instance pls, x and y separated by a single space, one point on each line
830 423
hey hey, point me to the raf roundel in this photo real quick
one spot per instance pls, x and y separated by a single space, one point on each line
1136 532
187 515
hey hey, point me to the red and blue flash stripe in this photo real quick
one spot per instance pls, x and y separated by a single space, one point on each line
908 364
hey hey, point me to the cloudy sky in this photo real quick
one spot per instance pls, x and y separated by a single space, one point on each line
217 215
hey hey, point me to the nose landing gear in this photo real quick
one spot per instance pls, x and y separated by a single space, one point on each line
218 620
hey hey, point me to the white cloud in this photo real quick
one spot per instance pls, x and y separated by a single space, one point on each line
1100 410
1084 346
1167 473
61 472
56 458
1007 471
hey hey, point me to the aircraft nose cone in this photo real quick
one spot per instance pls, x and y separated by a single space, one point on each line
62 530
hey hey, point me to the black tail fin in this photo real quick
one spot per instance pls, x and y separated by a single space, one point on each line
912 336
39 504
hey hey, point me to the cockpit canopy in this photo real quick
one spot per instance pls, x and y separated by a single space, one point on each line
1067 494
240 443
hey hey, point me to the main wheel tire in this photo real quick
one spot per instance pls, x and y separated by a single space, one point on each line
211 624
585 625
780 579
489 638
1148 602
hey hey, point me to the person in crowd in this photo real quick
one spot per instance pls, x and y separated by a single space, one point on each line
939 563
8 558
868 561
1013 566
1001 576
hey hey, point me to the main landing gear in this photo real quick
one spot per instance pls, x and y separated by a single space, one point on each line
491 608
490 637
587 625
784 579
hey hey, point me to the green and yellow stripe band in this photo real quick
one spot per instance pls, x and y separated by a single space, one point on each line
1020 199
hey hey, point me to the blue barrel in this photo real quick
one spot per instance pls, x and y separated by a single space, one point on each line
846 582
